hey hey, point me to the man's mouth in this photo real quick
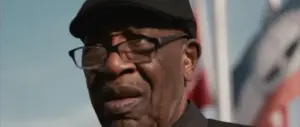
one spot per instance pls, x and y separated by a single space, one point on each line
122 99
123 105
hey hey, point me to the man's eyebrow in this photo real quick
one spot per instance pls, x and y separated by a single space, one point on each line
88 41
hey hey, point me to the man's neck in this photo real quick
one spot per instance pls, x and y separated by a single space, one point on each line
177 112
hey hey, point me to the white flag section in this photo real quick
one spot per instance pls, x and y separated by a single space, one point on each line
214 68
270 93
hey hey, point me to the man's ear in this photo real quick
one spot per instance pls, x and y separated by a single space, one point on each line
191 53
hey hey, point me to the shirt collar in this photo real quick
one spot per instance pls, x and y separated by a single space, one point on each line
192 117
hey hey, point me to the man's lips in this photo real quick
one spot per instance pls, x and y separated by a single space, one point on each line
119 93
122 105
121 99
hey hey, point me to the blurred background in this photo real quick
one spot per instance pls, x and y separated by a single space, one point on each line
40 86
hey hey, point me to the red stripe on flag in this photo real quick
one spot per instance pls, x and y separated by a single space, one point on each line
198 25
200 94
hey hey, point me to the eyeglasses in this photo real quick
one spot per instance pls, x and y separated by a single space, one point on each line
137 51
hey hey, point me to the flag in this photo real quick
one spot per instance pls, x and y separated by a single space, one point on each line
267 79
201 92
202 96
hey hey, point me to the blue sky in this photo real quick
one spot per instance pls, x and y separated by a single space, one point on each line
40 86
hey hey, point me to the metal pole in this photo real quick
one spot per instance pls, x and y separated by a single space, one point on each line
222 64
207 56
275 5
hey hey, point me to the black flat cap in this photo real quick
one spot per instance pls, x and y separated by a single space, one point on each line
177 9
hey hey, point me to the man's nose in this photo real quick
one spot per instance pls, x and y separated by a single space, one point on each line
115 63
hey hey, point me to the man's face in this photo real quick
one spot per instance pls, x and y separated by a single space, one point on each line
138 94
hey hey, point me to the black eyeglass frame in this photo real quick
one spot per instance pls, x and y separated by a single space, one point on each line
157 41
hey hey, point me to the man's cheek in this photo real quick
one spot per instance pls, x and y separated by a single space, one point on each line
152 72
155 76
89 78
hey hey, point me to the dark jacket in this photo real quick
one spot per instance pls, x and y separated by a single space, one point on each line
192 117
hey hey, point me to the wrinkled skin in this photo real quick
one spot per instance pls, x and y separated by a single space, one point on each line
161 82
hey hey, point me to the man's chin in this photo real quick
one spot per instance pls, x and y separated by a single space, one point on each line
125 123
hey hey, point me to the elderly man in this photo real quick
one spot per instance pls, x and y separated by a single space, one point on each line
138 57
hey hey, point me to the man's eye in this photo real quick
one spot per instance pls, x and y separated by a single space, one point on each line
94 54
